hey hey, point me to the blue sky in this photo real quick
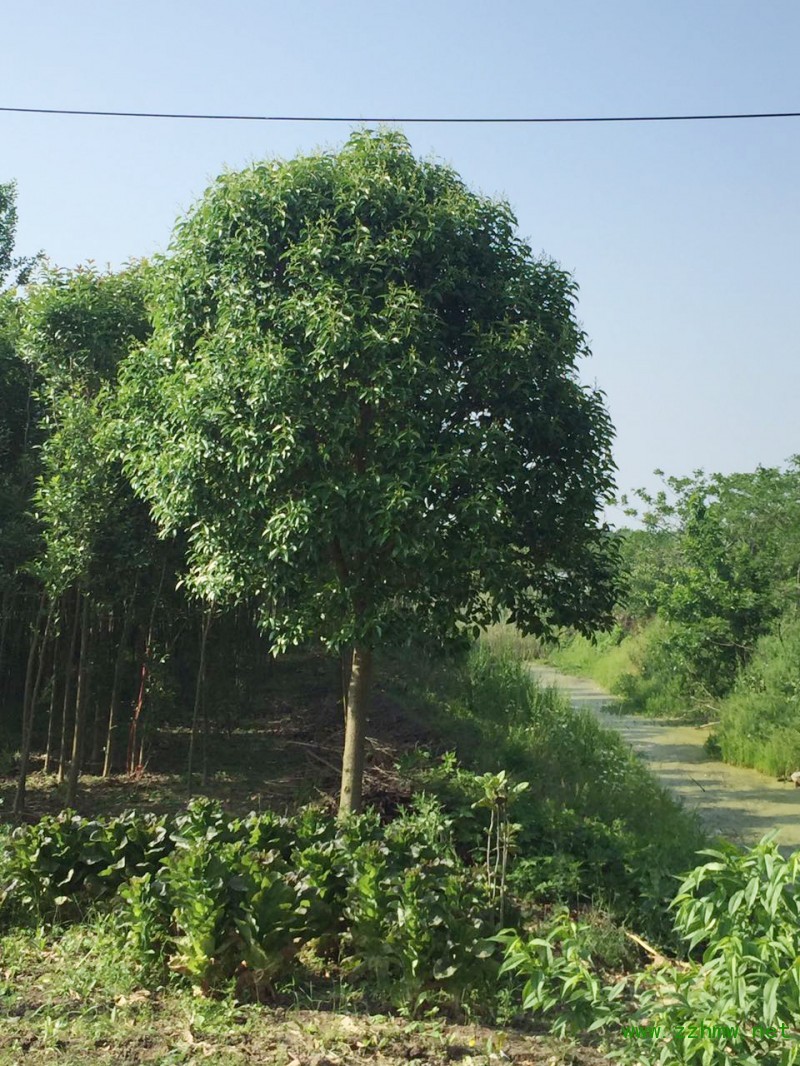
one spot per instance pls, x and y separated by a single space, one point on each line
684 238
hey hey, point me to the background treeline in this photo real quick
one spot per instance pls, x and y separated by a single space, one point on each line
709 624
97 638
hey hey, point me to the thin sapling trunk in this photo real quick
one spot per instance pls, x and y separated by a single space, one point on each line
358 693
80 708
198 695
113 708
51 713
69 671
28 704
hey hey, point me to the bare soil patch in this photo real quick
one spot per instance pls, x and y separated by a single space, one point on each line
277 1038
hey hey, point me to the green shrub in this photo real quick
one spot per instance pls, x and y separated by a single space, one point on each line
742 893
143 924
562 983
239 900
742 911
760 720
62 864
739 914
418 920
234 911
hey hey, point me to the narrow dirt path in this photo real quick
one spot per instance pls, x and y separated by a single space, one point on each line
739 803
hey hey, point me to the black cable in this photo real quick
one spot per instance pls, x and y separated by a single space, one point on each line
359 119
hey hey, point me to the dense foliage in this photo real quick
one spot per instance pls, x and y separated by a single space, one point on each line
760 718
215 899
360 404
593 825
90 609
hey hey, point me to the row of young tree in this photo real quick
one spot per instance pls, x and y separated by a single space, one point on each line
95 628
345 407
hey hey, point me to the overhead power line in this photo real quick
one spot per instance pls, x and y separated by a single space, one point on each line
451 119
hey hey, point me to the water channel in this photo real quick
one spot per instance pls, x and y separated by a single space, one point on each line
739 803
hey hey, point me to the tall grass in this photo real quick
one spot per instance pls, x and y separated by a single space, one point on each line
760 720
606 659
636 666
505 639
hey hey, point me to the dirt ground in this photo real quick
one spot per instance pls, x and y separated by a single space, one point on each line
286 754
280 1038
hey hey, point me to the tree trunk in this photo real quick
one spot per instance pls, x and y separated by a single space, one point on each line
358 693
69 670
206 727
133 728
37 685
134 762
51 713
198 695
28 703
80 708
6 611
99 720
345 670
108 761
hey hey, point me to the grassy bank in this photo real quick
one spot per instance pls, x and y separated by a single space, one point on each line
759 722
594 823
606 660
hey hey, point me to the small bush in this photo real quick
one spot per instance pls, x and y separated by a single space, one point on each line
561 980
418 922
55 869
739 913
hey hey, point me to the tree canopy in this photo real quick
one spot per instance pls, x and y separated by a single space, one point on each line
361 403
17 463
77 327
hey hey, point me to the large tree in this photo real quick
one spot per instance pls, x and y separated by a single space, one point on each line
361 403
19 438
17 409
